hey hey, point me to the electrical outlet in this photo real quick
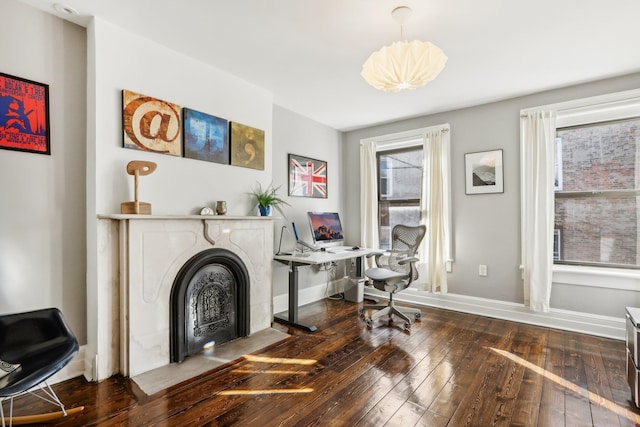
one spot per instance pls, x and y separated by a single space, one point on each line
482 270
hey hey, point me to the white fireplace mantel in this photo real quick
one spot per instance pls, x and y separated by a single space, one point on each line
138 259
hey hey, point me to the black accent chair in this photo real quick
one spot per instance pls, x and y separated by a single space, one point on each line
40 343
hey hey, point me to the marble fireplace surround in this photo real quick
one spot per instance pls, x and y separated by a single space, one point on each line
151 249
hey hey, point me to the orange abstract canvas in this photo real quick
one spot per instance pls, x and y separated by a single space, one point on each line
151 124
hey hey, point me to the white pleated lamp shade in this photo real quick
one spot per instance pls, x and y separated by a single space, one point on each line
404 65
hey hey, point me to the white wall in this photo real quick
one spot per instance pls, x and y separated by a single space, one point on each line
295 134
42 222
117 60
487 227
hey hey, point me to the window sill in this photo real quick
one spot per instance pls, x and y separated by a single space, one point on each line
599 277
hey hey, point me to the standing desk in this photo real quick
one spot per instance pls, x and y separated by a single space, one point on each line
312 258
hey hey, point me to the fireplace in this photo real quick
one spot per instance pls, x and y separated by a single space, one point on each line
144 256
209 302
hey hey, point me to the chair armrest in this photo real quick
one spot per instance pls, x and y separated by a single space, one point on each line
376 253
404 261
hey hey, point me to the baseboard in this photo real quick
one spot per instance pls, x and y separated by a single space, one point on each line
309 295
75 368
592 324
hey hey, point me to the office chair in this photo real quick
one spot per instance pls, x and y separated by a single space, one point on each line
33 347
395 274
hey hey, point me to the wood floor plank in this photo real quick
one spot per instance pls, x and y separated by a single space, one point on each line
578 409
597 384
475 409
552 402
453 369
527 402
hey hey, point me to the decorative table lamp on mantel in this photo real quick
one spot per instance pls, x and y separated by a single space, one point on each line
138 168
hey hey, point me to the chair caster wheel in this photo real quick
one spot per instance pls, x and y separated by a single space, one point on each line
361 313
418 316
369 323
407 326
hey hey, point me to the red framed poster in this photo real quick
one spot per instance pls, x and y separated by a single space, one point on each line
24 115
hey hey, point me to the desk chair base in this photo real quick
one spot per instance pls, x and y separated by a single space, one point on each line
390 310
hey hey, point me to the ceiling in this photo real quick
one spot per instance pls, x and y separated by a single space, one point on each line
309 54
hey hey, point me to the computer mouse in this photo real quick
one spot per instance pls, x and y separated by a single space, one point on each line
355 248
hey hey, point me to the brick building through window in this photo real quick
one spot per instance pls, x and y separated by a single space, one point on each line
597 197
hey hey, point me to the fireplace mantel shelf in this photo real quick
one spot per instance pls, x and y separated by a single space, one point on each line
203 217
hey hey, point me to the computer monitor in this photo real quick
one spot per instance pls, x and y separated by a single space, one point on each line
325 227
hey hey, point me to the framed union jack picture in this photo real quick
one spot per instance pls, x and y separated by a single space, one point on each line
307 177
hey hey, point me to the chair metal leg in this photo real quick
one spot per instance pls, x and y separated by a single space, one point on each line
380 313
48 395
374 307
10 411
391 309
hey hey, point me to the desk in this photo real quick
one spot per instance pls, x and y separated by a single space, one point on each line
313 258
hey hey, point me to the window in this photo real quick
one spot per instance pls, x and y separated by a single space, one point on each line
399 177
393 191
597 194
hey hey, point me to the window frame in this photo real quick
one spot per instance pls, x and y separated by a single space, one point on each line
611 106
405 139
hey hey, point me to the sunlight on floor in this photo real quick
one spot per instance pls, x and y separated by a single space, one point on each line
284 361
269 391
593 397
272 360
268 372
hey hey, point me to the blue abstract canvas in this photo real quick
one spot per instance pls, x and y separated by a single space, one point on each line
206 137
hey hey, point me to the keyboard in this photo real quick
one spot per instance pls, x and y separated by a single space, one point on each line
338 249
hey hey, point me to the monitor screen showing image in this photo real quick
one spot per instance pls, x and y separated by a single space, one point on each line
325 227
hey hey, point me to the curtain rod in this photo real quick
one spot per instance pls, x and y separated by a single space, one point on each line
576 104
405 135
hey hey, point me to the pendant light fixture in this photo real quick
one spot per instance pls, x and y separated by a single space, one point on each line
403 65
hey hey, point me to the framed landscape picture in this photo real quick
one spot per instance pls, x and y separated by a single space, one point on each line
206 137
307 177
24 115
483 172
151 124
247 146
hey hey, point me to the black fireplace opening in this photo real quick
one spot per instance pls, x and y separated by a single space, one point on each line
209 302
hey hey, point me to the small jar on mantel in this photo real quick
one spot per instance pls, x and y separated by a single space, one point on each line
221 207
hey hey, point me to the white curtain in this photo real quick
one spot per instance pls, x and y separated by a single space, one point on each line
435 211
537 145
369 197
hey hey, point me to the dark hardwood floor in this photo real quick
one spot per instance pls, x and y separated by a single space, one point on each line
453 369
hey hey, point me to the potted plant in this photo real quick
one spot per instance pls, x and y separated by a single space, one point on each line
266 198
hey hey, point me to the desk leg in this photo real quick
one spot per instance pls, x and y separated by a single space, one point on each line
292 315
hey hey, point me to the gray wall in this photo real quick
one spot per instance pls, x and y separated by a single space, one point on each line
487 227
42 201
296 134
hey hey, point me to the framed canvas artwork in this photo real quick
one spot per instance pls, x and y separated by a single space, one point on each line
206 137
483 172
247 146
151 124
307 177
24 115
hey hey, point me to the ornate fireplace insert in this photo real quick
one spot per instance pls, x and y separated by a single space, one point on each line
209 302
